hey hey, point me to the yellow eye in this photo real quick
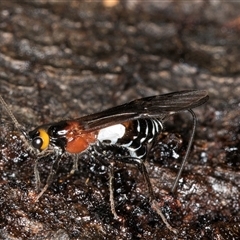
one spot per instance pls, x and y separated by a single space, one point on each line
45 138
41 142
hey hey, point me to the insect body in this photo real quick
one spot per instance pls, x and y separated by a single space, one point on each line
69 136
130 125
133 126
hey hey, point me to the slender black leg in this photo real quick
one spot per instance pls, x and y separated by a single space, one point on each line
145 174
152 200
142 168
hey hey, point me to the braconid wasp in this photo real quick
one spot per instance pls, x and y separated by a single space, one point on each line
133 126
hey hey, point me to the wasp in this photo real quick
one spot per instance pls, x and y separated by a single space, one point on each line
133 126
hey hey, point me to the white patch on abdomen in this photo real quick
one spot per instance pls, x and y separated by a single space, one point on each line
111 134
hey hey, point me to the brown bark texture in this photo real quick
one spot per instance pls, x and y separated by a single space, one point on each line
62 60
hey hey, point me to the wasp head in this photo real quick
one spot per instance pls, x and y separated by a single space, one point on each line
47 135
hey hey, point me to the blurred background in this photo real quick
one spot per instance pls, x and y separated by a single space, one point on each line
61 60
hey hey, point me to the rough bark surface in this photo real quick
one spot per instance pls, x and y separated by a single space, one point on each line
65 60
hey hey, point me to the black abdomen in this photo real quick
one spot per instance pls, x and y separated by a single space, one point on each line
138 134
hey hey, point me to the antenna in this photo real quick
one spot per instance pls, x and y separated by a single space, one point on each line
15 121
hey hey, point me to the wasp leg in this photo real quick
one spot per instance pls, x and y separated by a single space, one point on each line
155 207
75 165
49 179
111 191
152 200
153 203
37 176
110 169
143 170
